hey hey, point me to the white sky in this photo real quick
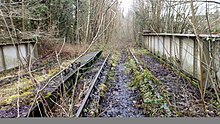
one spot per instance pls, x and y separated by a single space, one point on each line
126 4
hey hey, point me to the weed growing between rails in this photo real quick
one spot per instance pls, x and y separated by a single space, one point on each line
119 100
153 105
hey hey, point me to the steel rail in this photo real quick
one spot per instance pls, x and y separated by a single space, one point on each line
65 74
93 83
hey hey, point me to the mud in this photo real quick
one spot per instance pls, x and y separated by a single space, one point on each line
120 101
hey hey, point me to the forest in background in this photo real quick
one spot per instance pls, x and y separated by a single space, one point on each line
68 29
83 21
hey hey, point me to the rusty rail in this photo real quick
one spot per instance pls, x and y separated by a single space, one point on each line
93 83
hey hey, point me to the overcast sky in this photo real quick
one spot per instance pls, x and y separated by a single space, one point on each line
126 5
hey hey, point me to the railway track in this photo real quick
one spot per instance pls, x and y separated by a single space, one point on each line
50 89
118 100
91 89
65 78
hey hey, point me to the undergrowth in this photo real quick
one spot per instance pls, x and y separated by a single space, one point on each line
152 105
211 100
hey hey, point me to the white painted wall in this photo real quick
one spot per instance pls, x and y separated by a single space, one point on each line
187 55
11 55
167 46
156 45
175 47
187 50
32 52
23 53
217 58
151 45
160 45
1 61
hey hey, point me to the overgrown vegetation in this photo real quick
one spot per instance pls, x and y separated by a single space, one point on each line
211 105
153 105
67 29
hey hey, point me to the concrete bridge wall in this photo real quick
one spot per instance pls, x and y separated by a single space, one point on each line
13 54
183 52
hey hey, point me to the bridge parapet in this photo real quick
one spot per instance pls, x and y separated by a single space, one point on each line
201 60
18 50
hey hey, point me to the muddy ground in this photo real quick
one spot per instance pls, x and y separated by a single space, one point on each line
120 100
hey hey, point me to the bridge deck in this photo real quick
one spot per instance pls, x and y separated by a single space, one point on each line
54 83
88 57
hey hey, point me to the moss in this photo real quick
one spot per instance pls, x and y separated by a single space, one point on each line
102 88
153 105
12 98
25 94
41 78
9 94
141 51
28 88
114 59
66 63
53 71
49 94
173 68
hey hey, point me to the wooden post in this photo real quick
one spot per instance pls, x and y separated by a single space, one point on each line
26 50
212 50
19 60
28 53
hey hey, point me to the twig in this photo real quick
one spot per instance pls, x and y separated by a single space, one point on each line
60 107
72 96
18 90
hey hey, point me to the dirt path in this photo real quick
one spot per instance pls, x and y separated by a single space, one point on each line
121 101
